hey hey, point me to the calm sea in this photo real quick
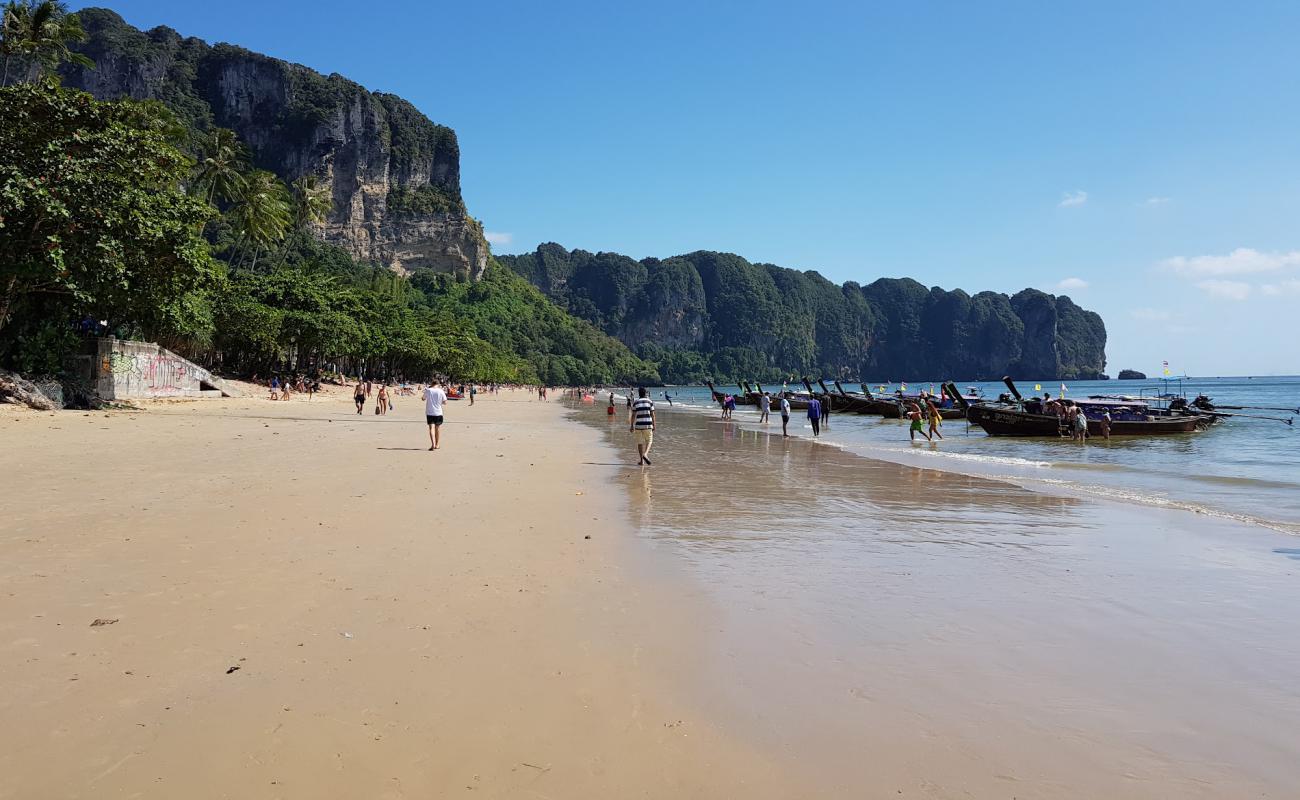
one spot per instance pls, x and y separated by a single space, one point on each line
1246 469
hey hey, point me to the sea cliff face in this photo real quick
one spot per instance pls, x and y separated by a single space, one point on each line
394 176
716 313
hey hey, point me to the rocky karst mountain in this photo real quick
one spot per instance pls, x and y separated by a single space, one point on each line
394 176
716 313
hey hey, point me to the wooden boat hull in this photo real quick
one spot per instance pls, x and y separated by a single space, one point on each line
1001 421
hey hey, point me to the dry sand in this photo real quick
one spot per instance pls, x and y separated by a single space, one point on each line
308 604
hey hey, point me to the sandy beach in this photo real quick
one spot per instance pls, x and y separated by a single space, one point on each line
301 602
307 604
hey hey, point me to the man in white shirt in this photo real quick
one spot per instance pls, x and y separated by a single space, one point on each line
434 397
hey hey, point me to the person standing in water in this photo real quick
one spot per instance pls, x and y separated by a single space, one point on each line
641 423
936 418
434 397
914 415
669 398
1105 424
785 416
764 407
815 415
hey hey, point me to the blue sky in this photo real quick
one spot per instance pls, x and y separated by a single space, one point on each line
1143 157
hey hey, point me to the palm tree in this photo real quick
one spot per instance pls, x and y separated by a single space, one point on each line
311 203
262 213
221 165
39 33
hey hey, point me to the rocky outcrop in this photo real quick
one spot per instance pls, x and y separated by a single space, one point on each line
707 313
394 176
1132 375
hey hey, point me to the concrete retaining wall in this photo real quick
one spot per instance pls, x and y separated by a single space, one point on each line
123 370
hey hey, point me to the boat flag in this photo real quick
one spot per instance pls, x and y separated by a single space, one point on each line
903 386
1166 366
1063 390
1038 387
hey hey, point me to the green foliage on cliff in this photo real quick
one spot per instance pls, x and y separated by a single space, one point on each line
95 225
421 202
716 314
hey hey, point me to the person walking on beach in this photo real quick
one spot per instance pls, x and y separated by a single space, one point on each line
669 398
359 395
785 416
641 424
434 397
936 418
381 400
914 414
473 390
815 415
764 408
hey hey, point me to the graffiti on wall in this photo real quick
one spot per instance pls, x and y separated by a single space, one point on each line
152 374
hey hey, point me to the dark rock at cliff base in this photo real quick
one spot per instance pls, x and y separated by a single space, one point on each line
716 314
394 176
1132 375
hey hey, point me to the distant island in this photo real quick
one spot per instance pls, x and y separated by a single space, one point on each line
1132 375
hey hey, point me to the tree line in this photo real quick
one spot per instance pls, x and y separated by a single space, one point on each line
117 218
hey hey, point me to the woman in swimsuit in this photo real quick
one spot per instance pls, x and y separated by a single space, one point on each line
936 419
381 400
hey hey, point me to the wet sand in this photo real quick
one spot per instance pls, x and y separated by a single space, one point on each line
950 636
308 604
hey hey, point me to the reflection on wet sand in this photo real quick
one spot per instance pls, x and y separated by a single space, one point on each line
961 636
721 485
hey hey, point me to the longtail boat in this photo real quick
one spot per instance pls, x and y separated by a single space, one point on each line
1018 417
867 403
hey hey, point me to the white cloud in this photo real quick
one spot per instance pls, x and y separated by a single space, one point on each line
1150 314
1073 199
1285 287
1232 290
495 237
1155 201
1072 283
1242 261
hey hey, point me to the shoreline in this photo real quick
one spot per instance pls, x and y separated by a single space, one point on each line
1016 470
751 617
961 636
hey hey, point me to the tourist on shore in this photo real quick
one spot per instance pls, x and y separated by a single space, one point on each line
381 400
1105 424
275 387
359 395
473 390
917 426
764 408
815 415
669 398
641 423
785 416
936 418
434 397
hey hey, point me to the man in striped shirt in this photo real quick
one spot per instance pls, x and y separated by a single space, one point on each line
642 425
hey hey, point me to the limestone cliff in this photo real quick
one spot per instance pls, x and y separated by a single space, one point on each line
716 314
394 175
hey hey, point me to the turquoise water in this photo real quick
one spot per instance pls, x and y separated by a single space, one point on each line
1242 468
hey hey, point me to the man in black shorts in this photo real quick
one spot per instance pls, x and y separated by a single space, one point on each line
434 398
